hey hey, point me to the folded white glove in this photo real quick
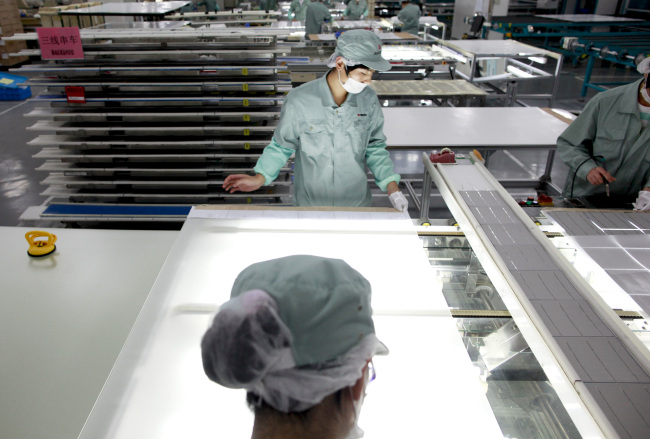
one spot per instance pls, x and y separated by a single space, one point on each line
643 201
399 201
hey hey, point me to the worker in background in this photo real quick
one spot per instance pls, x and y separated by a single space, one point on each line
356 10
607 147
297 334
298 10
211 6
410 17
268 5
316 14
335 127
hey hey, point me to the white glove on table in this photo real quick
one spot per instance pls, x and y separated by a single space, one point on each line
399 201
643 201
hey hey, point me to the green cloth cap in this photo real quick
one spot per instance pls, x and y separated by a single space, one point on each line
363 47
324 302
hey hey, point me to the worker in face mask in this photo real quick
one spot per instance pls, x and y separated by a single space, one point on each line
297 334
607 148
356 10
334 125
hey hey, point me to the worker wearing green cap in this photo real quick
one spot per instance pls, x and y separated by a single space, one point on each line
410 17
298 335
335 127
356 10
298 10
317 14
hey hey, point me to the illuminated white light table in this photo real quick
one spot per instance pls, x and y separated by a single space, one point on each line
426 387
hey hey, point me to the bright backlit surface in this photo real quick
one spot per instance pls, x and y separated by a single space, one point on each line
426 387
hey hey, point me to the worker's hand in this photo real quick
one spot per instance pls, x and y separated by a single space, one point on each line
399 201
643 201
243 182
646 188
598 176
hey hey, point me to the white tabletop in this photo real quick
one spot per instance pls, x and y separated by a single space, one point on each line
63 320
158 388
495 47
471 127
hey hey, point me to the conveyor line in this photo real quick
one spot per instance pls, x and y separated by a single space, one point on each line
608 366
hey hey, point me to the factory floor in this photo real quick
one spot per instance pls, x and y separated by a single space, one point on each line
20 185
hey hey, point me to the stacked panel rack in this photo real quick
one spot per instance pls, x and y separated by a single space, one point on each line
158 117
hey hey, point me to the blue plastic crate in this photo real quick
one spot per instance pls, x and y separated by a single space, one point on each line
18 93
11 81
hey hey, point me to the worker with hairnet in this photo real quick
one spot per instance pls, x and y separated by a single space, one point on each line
298 10
607 148
410 17
297 334
356 10
335 127
316 14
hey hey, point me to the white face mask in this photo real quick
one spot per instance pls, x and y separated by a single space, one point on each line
644 92
352 85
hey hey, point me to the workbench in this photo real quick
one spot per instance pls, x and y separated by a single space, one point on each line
486 129
64 319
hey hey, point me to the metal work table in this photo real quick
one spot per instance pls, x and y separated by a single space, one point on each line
494 62
64 319
456 92
149 10
550 30
475 128
212 248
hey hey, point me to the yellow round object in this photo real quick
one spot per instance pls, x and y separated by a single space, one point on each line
40 247
425 224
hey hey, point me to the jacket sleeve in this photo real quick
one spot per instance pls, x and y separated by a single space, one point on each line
570 143
377 157
284 143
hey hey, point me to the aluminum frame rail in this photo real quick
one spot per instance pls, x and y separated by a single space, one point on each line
160 118
555 308
629 50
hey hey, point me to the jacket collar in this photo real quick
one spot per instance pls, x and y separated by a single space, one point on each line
630 102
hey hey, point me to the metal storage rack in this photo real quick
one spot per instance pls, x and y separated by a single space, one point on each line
165 116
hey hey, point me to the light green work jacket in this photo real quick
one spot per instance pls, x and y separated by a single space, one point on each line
298 11
410 16
611 120
356 11
332 144
268 5
316 14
